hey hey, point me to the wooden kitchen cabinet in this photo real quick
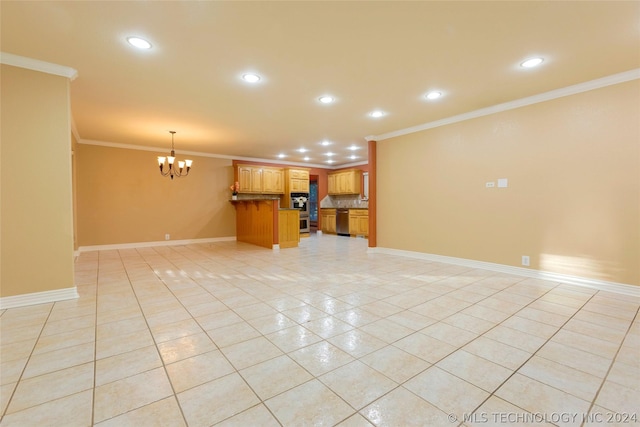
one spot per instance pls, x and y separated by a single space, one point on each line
328 220
358 222
344 182
332 183
260 179
272 180
288 228
297 180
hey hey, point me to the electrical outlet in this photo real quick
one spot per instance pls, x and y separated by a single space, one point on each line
167 237
525 260
490 184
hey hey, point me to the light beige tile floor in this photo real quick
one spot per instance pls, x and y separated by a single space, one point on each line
325 334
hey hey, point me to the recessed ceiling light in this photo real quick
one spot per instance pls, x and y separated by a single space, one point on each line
433 95
353 148
531 62
326 99
330 161
250 77
325 143
282 156
329 154
377 114
302 150
353 157
306 158
139 43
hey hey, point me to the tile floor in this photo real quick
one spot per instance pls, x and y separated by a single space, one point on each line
230 334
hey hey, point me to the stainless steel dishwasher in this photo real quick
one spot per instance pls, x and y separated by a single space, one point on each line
342 222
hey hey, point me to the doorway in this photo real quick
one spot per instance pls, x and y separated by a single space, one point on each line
313 203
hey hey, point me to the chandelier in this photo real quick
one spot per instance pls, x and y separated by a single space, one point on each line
172 171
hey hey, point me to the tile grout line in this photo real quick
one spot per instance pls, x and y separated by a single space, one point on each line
613 361
534 353
236 371
24 368
267 275
313 377
124 269
95 345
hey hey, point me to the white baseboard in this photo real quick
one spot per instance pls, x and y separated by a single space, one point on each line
602 285
38 298
152 244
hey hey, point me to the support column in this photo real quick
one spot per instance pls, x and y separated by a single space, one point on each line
373 199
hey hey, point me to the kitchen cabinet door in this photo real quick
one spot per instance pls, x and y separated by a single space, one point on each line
256 180
346 182
358 222
272 181
244 179
288 228
332 187
331 223
328 220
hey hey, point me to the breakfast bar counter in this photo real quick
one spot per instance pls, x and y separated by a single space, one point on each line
263 223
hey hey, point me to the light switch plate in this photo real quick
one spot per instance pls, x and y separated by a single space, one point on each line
503 183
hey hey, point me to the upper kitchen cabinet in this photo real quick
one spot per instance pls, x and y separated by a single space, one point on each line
344 182
297 180
272 180
260 179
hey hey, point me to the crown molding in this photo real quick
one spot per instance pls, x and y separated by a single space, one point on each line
37 65
154 149
281 162
350 165
511 105
218 156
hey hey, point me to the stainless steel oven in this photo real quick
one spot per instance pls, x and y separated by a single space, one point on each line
304 224
300 201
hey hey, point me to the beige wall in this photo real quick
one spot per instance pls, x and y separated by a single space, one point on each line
573 200
74 190
36 200
122 198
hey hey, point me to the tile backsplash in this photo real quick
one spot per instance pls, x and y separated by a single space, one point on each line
344 201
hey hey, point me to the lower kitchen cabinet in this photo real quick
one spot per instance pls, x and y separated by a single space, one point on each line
359 222
288 228
328 220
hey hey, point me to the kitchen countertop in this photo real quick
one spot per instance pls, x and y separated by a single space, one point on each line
251 199
342 207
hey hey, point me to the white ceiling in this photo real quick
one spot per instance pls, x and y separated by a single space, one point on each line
368 55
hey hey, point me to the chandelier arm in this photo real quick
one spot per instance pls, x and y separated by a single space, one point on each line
171 171
168 172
